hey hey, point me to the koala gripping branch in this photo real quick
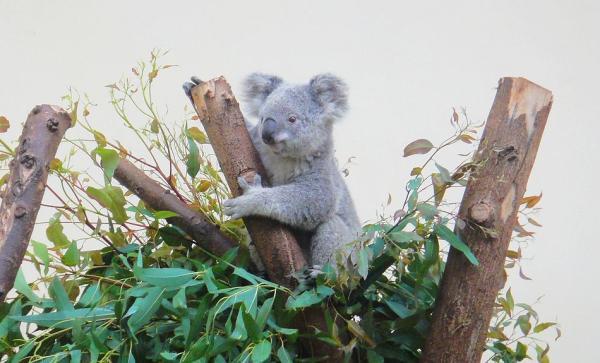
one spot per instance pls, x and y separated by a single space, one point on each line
225 126
280 253
42 133
506 153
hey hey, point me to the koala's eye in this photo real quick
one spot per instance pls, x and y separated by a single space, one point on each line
292 119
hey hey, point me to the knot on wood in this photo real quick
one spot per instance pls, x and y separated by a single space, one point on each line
227 96
52 124
20 211
64 114
23 146
208 93
27 160
17 188
510 153
482 213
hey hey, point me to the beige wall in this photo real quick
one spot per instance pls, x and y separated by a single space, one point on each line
406 64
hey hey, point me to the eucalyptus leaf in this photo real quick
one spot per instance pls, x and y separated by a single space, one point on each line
111 198
55 234
305 299
446 234
41 251
192 164
145 308
59 295
420 146
363 263
65 319
164 214
109 159
71 256
164 277
283 355
261 351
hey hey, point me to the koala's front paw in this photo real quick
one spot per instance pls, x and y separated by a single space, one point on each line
248 203
240 207
188 85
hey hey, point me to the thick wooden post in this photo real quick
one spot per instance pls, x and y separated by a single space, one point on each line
505 157
42 133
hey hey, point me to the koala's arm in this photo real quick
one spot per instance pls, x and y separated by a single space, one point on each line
303 204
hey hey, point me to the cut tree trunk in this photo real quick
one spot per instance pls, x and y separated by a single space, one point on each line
225 126
42 133
194 223
506 153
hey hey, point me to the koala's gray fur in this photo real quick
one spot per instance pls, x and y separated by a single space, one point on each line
294 140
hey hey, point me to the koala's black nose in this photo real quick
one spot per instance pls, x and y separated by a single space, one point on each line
268 130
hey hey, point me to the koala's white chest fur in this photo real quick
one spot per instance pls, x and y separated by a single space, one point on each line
283 170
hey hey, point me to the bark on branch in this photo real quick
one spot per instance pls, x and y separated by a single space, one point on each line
42 133
194 223
489 208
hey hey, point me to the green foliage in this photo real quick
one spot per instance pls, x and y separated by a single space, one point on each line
119 283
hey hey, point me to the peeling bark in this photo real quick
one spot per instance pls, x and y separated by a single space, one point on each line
194 223
42 133
506 154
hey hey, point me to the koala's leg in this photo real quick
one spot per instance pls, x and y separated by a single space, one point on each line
328 238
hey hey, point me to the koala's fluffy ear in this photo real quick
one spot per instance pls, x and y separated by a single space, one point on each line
331 93
257 87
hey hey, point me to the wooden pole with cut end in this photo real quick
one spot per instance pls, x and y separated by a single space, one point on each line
506 154
42 133
225 126
194 223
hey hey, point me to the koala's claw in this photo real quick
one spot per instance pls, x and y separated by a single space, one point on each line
188 85
236 208
307 278
313 271
256 183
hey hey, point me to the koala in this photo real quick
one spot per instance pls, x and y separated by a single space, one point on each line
294 139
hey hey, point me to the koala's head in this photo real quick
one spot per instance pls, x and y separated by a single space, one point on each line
296 120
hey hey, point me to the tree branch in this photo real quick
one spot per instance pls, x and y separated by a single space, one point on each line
194 223
42 133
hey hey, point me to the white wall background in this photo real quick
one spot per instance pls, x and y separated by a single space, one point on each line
407 64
